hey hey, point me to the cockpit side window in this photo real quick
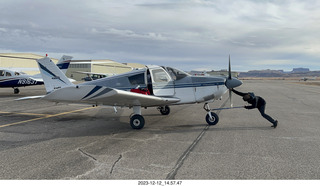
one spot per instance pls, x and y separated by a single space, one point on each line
1 73
8 74
176 74
137 79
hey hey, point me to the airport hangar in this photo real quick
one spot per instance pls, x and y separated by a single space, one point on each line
25 62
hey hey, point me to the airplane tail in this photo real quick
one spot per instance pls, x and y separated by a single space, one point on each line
64 63
52 76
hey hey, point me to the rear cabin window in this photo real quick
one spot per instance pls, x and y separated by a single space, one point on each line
137 79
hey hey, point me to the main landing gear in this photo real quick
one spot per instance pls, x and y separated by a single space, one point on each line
211 117
137 120
16 91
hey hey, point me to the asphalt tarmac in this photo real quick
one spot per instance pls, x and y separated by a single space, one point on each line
44 140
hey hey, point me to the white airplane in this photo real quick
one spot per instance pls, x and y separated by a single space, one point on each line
93 76
306 78
153 86
15 79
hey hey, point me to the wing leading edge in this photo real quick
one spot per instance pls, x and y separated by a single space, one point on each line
94 94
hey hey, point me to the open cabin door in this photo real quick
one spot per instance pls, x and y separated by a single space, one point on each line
162 84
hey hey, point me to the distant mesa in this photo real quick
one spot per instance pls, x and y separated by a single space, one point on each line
296 72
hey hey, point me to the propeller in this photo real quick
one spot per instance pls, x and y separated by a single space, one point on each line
229 68
229 78
231 83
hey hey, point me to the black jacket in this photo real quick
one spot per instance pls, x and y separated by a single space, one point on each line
255 101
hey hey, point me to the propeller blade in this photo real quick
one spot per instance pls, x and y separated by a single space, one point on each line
231 82
229 68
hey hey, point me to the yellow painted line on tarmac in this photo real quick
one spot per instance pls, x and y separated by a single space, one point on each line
10 100
45 117
28 114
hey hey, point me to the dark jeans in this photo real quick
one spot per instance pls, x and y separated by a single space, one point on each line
262 110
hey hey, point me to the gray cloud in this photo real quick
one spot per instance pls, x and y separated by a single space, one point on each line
187 34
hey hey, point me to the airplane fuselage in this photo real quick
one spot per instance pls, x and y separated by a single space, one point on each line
167 82
12 80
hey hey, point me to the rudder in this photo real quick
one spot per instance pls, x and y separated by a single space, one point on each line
64 63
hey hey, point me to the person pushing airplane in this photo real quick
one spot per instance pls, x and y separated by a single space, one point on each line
256 102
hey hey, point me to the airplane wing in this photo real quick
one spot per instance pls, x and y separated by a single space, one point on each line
101 95
37 77
30 97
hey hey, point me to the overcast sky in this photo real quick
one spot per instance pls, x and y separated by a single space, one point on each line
186 34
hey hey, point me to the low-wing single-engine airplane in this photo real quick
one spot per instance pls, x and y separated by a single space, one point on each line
153 86
306 78
15 79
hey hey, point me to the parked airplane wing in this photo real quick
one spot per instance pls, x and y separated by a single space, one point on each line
143 100
106 96
30 97
92 73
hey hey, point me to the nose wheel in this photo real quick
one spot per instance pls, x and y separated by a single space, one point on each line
164 110
211 117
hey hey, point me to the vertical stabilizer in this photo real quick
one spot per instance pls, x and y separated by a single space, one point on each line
52 76
64 63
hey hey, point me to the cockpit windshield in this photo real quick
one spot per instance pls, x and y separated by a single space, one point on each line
176 74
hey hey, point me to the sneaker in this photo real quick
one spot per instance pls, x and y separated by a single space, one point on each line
275 124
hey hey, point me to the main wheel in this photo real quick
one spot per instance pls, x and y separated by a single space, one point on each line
16 90
214 120
137 121
165 110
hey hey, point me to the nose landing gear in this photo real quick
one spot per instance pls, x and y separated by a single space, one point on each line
164 110
211 117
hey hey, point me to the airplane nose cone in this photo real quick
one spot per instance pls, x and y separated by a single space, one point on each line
233 83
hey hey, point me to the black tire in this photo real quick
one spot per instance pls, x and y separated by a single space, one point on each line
214 120
16 91
165 110
137 121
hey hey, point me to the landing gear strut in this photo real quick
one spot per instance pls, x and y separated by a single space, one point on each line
211 117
